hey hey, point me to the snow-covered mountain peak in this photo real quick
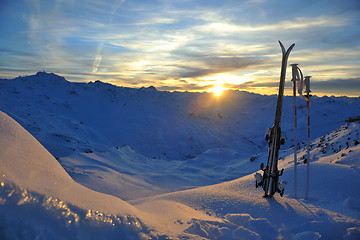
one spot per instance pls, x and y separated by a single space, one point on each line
150 88
43 77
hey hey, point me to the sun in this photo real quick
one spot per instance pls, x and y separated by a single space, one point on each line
217 90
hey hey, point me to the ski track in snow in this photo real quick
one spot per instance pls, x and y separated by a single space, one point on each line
159 165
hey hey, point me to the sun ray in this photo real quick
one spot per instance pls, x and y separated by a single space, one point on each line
217 90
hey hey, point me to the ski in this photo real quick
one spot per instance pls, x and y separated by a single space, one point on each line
269 181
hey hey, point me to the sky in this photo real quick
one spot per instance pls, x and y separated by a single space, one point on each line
188 45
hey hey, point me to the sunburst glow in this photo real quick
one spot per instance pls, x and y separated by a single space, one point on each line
217 90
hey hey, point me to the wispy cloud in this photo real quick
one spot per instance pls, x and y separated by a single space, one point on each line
348 84
188 44
98 57
300 23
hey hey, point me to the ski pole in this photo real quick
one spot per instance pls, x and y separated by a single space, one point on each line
294 79
307 98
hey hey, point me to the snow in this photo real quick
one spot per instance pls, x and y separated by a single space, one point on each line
96 161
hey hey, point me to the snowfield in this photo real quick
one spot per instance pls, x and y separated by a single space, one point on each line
96 161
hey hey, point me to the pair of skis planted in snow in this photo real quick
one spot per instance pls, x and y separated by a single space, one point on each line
269 181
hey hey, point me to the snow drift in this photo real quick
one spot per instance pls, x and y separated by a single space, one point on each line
26 163
30 174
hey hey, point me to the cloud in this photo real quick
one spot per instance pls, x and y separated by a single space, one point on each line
163 42
232 63
184 87
295 24
352 84
15 52
338 87
116 6
256 84
350 87
156 20
207 66
185 71
98 57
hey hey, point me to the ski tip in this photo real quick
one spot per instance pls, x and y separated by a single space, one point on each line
291 47
282 47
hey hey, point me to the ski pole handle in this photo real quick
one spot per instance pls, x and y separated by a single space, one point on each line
295 74
307 86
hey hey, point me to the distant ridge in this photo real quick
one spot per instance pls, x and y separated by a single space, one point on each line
43 76
68 117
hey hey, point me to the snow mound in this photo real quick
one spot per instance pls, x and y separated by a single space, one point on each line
29 215
35 192
247 213
26 163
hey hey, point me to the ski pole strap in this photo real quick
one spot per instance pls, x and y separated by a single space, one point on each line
307 86
301 81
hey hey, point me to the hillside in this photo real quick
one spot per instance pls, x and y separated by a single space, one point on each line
68 117
96 161
39 200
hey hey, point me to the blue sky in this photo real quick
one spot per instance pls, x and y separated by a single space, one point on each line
184 45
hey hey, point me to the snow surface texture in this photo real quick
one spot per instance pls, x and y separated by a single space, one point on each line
157 165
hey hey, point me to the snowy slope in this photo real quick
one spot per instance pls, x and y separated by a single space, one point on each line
39 200
335 162
277 218
129 175
68 117
36 182
25 162
89 126
144 154
331 212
